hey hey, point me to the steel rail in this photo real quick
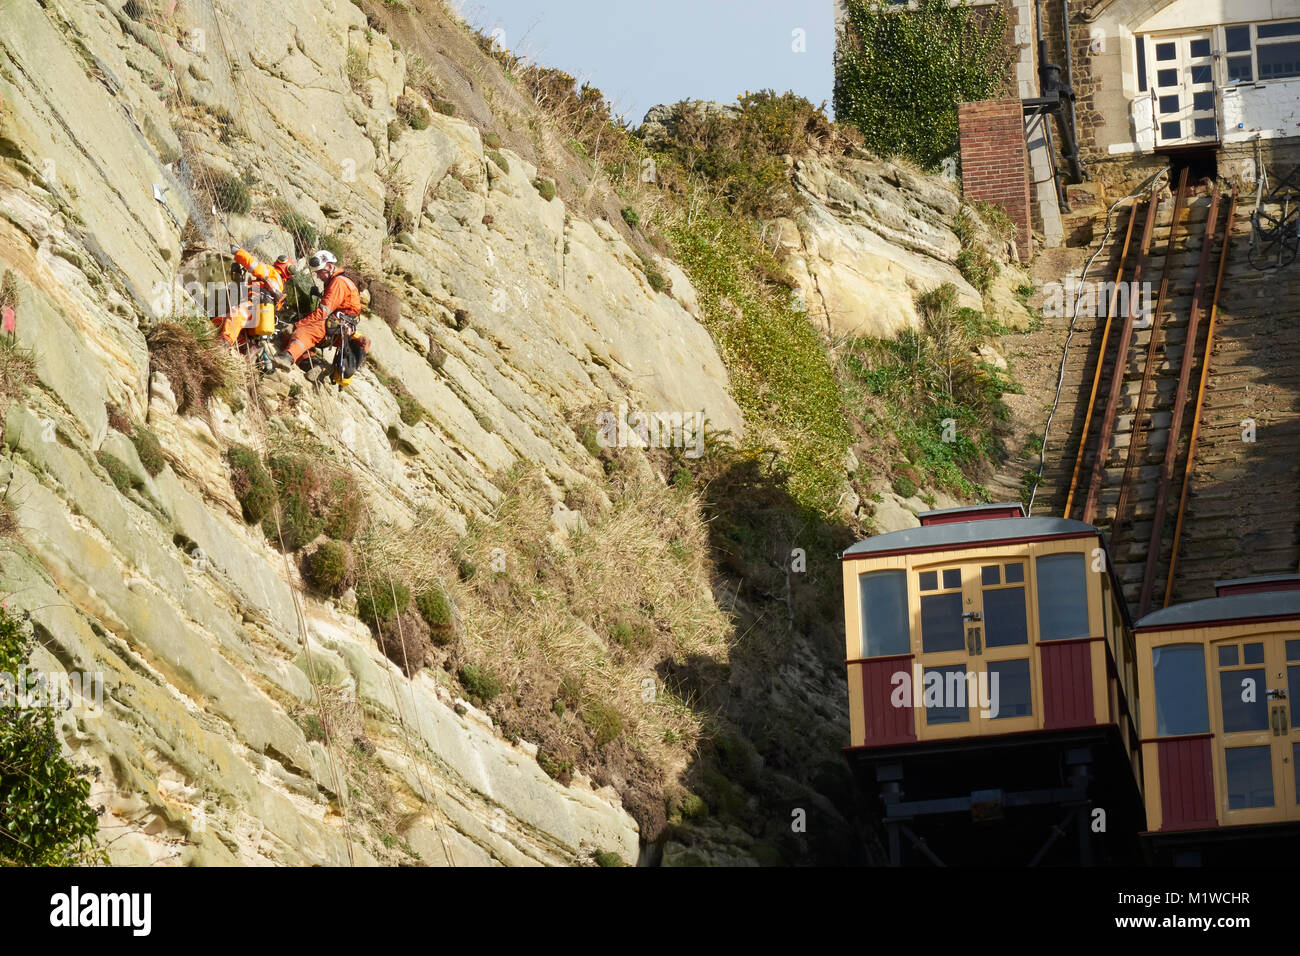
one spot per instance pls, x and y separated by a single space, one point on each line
1125 484
1101 360
1200 401
1180 405
1117 373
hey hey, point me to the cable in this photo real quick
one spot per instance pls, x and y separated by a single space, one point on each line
1150 184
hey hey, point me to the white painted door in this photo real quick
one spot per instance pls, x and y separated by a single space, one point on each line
1182 73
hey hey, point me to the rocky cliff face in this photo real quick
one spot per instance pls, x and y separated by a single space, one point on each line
516 312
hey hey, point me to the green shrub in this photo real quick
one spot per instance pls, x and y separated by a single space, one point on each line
904 487
327 567
419 119
554 767
631 216
312 728
492 141
781 374
230 192
252 485
345 509
433 607
44 814
305 235
502 163
149 449
605 858
899 79
445 107
299 487
604 722
479 682
120 472
375 604
545 188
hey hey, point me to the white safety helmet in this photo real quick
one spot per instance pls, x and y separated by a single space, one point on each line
320 259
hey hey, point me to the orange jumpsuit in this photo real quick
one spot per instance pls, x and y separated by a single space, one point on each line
341 295
264 282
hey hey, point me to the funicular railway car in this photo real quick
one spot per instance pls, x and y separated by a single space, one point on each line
991 674
1219 681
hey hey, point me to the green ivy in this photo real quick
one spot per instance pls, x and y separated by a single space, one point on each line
899 75
44 817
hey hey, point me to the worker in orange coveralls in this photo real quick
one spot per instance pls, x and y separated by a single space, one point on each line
266 293
337 314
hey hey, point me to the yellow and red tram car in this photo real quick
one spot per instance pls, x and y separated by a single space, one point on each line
1219 683
991 668
985 597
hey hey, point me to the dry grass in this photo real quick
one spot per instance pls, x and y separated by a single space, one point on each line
17 373
588 623
193 364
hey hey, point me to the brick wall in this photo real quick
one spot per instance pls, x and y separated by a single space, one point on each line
995 161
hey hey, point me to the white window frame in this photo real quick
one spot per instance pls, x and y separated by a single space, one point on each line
1255 44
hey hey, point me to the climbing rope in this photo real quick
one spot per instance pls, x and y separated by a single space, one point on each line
1148 185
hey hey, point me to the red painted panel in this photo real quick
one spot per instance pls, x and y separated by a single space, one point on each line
984 513
885 723
1186 783
1067 683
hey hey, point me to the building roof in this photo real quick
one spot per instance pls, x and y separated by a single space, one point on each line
967 534
1231 607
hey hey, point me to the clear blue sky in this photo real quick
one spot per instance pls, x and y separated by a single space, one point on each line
643 52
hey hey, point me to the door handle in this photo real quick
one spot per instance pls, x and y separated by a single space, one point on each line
1281 712
970 640
979 645
1273 716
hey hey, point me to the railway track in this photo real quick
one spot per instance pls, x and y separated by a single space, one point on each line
1169 456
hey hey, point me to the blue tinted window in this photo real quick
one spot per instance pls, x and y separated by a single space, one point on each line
1240 69
1169 104
1252 654
1293 650
1166 77
1171 130
1203 101
1200 48
991 574
1005 622
945 695
1201 74
1238 39
1267 30
1010 692
1244 697
1293 693
884 614
1206 126
1250 777
941 623
1166 51
952 578
1182 706
1015 573
1142 63
1228 655
1062 597
929 580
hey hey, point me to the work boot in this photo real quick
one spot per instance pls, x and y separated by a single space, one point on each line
283 359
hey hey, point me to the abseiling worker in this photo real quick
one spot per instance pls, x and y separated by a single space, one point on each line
339 309
266 294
